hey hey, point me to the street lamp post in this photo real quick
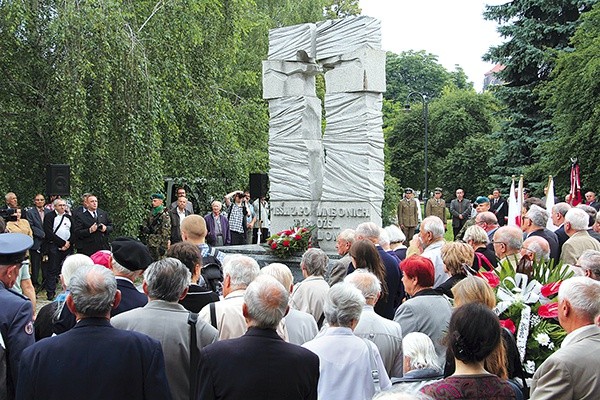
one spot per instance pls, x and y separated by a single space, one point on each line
425 120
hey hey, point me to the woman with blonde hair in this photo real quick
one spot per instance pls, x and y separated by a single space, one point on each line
504 360
458 259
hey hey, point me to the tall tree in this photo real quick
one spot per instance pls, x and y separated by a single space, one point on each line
572 98
534 31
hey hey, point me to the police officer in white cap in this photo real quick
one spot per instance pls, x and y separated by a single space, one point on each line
16 312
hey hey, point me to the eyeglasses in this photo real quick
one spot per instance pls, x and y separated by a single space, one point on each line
496 242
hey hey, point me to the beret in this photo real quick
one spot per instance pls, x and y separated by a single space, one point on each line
131 253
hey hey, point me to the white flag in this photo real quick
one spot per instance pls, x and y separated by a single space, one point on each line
550 203
513 210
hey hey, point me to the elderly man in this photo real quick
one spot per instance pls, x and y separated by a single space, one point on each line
300 327
346 361
592 213
58 230
371 232
178 214
431 240
16 313
488 222
536 248
386 334
259 365
217 225
588 265
188 204
590 200
534 223
576 225
165 283
508 241
339 268
482 204
558 219
309 295
129 260
427 311
572 372
93 360
226 315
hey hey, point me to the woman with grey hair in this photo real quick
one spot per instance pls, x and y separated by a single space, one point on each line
346 361
420 362
476 237
397 239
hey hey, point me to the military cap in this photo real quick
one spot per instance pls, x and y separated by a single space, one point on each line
13 247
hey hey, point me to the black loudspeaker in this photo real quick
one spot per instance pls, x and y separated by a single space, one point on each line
58 180
258 185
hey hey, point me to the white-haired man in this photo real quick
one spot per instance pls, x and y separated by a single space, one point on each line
507 243
386 334
588 265
299 326
430 242
226 315
534 224
576 225
259 365
93 359
166 282
339 268
572 372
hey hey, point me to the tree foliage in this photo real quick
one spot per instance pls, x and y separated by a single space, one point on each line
534 31
572 98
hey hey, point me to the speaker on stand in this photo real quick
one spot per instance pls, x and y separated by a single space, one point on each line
58 180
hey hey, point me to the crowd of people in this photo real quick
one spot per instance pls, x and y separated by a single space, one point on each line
393 317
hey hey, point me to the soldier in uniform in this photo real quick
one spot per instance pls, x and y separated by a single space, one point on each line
408 214
16 312
158 228
436 206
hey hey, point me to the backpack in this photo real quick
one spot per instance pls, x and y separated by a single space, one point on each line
213 277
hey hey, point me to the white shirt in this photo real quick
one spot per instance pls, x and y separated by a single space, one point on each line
309 296
299 326
345 366
434 253
181 214
64 231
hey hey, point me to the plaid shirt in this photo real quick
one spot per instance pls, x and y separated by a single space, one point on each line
236 218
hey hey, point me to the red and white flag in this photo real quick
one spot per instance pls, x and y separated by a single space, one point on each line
575 193
550 203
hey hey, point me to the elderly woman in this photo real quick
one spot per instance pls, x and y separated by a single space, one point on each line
426 311
503 361
345 360
397 240
420 363
473 334
458 261
484 257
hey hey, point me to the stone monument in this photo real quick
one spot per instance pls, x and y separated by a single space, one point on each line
332 180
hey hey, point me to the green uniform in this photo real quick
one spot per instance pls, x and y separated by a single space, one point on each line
436 207
159 233
408 217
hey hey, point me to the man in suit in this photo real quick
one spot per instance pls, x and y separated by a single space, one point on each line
339 268
188 205
92 228
576 225
499 206
558 219
35 216
590 200
572 372
164 319
129 260
460 208
58 229
588 265
393 276
93 360
16 312
177 216
261 364
534 224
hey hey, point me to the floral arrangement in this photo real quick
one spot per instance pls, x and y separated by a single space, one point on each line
527 306
290 241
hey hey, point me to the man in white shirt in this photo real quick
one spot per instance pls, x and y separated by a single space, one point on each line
572 372
58 230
